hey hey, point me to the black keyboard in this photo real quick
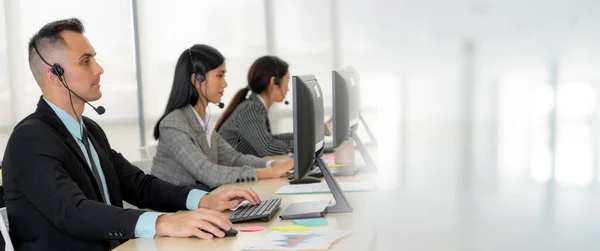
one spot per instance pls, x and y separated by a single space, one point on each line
263 211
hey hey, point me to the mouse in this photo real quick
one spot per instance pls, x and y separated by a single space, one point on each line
232 232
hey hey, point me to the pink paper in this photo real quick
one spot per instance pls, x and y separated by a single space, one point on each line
252 229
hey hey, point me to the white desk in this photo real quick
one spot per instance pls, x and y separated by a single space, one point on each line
360 222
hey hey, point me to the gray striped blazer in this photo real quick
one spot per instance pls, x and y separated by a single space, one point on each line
247 130
183 156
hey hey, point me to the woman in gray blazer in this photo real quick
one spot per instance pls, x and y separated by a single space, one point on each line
245 124
189 151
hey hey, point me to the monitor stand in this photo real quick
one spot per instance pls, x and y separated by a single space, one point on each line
311 177
363 151
315 209
341 203
369 132
305 180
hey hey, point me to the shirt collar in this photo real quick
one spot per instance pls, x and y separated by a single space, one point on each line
71 123
262 100
202 123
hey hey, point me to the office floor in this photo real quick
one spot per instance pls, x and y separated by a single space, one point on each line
454 191
540 218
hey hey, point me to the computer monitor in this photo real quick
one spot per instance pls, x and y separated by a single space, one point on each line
346 111
356 104
308 126
309 137
345 105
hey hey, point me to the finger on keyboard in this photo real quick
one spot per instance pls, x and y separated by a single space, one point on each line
243 203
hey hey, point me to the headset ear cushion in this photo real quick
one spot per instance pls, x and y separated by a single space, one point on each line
57 70
199 77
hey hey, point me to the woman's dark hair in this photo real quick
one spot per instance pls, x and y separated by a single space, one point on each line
259 77
200 59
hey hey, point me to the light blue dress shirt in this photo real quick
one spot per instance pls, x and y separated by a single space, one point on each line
146 224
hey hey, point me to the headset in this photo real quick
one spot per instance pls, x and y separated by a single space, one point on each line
200 75
278 79
199 71
59 71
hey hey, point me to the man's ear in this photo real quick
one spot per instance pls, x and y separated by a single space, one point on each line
51 78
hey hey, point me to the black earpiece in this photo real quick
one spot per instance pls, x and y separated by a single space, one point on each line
200 77
56 69
197 68
277 78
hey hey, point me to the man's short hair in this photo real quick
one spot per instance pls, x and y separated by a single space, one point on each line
49 35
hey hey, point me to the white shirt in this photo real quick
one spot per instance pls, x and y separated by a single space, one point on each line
208 130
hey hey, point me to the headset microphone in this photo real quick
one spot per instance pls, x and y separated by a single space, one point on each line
100 109
286 102
221 105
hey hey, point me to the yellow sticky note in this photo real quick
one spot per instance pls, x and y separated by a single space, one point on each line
290 228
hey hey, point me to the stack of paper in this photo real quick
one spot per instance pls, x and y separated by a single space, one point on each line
305 240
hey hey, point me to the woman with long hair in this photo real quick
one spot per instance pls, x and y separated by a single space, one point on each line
245 124
190 151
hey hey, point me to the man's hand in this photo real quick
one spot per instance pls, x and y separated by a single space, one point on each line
229 198
190 224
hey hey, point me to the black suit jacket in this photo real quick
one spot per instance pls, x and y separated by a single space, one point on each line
52 199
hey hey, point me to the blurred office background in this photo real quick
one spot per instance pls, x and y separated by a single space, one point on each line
505 90
498 95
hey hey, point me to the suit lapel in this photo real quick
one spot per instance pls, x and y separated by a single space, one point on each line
70 141
110 176
200 135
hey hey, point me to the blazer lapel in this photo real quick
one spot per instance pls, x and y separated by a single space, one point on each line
110 176
200 135
70 141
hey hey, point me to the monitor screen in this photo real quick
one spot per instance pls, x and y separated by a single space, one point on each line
346 103
308 123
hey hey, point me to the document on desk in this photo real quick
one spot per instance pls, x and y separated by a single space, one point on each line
360 186
305 240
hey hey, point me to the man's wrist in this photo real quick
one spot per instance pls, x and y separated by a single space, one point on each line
205 202
161 224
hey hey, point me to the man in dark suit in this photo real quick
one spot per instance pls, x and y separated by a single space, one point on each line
64 184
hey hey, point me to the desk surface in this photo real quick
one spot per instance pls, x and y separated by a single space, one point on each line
358 221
